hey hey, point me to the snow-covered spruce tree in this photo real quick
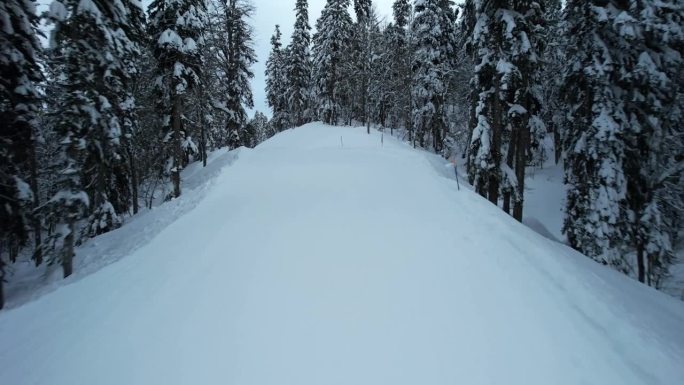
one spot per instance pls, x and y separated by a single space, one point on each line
430 67
552 56
520 93
623 135
148 151
276 82
176 28
360 60
331 50
484 153
374 64
593 130
506 37
211 94
453 89
467 48
653 34
260 127
91 46
19 104
399 55
135 31
382 81
460 95
298 70
235 56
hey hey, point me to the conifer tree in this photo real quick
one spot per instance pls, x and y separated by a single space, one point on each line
651 34
520 93
399 56
505 41
430 66
330 53
19 105
259 125
553 60
298 71
593 130
236 56
622 135
92 45
176 28
277 82
360 60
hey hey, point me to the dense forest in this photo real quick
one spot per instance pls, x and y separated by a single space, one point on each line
101 121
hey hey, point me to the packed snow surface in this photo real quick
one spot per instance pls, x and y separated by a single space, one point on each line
326 257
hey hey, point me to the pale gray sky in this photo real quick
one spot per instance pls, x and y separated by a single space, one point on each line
271 12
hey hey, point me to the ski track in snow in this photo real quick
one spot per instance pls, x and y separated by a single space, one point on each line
310 263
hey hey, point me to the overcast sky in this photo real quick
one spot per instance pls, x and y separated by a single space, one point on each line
271 12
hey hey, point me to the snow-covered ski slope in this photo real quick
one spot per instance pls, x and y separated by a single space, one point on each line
311 263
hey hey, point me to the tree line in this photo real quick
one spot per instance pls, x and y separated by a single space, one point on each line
101 122
496 80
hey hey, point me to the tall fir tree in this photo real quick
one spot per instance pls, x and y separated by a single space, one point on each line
382 83
176 28
521 94
236 57
331 49
277 82
93 42
553 56
19 106
430 66
622 135
398 77
361 54
506 39
298 61
652 33
593 130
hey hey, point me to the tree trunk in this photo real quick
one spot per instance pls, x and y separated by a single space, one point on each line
35 219
640 262
496 127
134 180
557 145
68 251
2 281
522 144
510 161
203 141
177 150
507 202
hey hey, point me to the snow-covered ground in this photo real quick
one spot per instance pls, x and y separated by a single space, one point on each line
545 200
322 257
544 203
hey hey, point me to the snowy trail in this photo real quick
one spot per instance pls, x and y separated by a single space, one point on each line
307 263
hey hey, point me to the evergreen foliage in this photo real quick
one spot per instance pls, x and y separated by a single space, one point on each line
277 82
331 49
19 107
298 68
